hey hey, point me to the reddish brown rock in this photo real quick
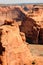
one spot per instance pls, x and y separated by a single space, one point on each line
23 36
15 49
41 36
31 30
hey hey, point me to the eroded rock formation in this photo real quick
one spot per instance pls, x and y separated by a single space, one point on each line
41 36
31 30
30 21
15 49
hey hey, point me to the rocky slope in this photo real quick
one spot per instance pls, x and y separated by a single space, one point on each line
15 49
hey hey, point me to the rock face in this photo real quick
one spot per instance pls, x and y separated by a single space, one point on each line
31 30
19 14
11 13
15 49
41 36
23 36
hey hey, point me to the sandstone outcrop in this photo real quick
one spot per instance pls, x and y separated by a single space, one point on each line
37 15
23 36
31 30
15 49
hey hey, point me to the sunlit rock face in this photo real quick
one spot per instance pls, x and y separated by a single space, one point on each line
23 36
17 13
15 48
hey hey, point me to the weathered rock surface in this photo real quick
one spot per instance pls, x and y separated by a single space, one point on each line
31 30
23 36
16 52
41 36
37 15
15 49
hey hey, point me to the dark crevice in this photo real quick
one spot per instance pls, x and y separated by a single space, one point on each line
0 61
28 40
2 49
7 23
40 37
